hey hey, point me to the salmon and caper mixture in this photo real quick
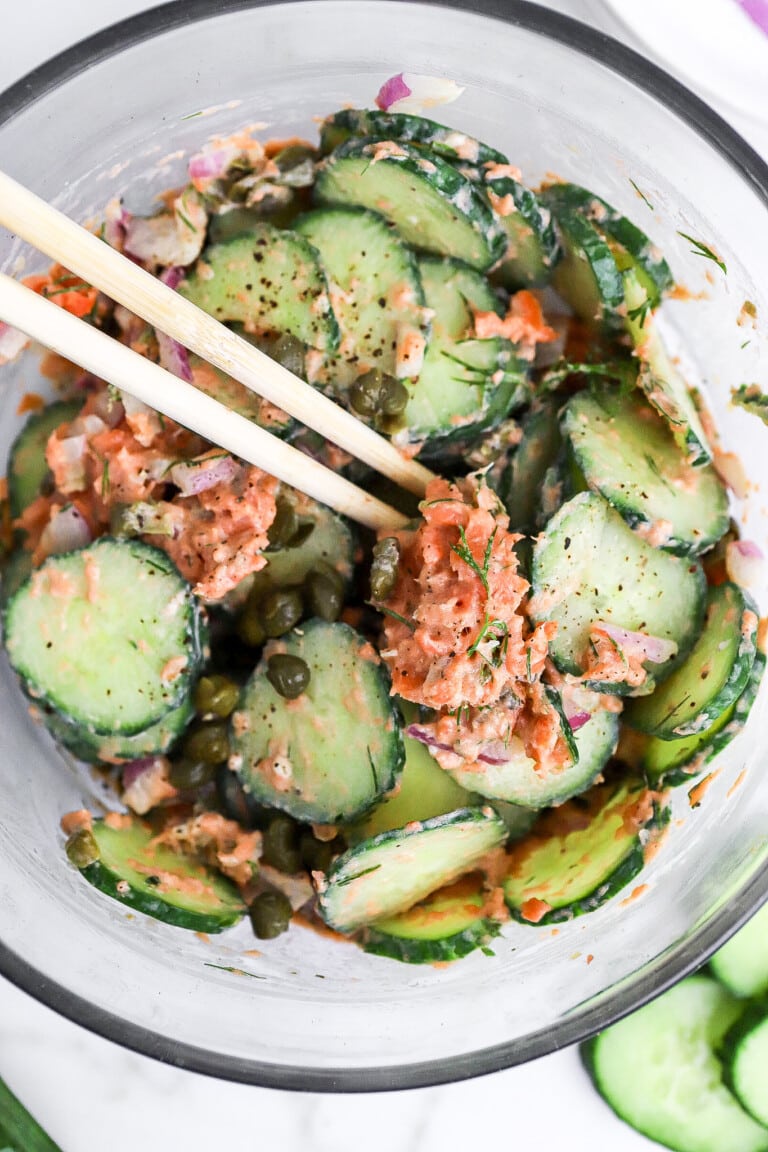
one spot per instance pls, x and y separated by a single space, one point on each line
406 740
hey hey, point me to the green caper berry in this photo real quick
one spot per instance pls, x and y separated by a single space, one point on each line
82 849
294 155
250 627
260 583
302 533
189 775
289 351
394 396
216 695
236 803
324 593
285 524
384 566
270 915
316 854
280 845
288 675
209 744
280 610
365 393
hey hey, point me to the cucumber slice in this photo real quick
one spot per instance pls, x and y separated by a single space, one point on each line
425 791
153 741
741 965
587 277
660 380
16 570
383 876
658 1071
377 125
150 878
518 821
240 399
27 466
465 385
434 207
580 855
667 763
522 480
19 1132
269 280
626 453
638 250
533 247
324 539
375 287
520 781
589 566
745 1055
711 679
447 926
329 755
111 637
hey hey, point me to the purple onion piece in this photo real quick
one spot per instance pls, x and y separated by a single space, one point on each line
193 478
174 357
418 733
391 91
135 768
578 720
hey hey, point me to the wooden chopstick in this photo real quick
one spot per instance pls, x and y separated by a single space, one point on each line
98 353
53 233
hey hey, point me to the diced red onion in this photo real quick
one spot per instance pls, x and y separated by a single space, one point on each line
391 91
494 752
169 239
653 648
744 563
108 408
173 276
211 165
413 92
193 478
135 768
416 732
757 10
578 720
116 221
12 342
66 532
174 357
146 784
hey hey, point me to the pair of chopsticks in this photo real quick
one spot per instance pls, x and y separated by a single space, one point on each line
26 215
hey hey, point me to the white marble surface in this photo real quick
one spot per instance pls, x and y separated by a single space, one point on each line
91 1095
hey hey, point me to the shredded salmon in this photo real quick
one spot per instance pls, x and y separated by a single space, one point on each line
65 290
524 323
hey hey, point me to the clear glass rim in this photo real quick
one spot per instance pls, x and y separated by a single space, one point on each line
702 943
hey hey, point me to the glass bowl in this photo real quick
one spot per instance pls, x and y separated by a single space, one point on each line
118 114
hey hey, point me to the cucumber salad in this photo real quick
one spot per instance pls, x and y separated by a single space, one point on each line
405 740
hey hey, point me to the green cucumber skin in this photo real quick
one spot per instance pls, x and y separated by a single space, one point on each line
583 244
446 182
619 228
445 951
627 869
692 762
643 714
259 696
755 1016
406 129
589 417
522 479
220 295
530 231
18 1130
27 466
397 836
107 882
154 741
196 639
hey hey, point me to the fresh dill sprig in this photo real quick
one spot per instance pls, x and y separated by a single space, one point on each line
464 553
701 249
641 194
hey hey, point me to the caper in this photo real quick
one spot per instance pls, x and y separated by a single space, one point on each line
280 845
250 626
365 393
260 583
285 524
236 803
189 775
324 592
316 854
302 533
289 351
288 675
209 743
394 396
280 610
82 849
215 695
384 567
270 915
